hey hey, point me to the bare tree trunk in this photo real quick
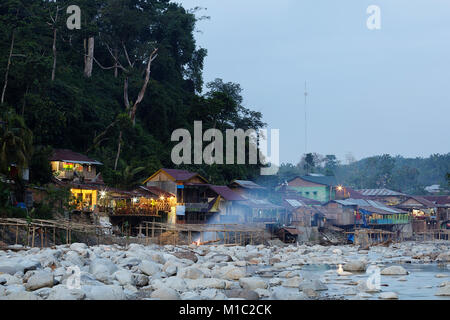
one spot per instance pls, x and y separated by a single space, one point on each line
144 86
89 63
55 31
24 100
8 66
118 150
54 54
116 65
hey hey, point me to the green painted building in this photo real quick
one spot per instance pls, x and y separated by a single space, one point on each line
316 187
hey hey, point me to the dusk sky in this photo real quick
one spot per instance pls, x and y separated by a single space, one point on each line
370 91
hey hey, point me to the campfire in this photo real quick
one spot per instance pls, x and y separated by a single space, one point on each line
199 243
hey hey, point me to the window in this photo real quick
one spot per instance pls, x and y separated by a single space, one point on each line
315 194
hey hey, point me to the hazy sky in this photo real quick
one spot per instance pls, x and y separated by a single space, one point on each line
370 91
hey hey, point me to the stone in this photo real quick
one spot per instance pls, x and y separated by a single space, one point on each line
219 258
165 294
30 265
289 274
280 293
61 292
124 277
79 247
140 280
101 265
206 283
212 294
103 292
388 296
443 257
310 293
274 260
316 285
443 291
350 292
130 262
40 279
10 267
189 255
242 294
355 266
9 279
275 282
394 271
292 282
190 296
149 268
74 258
191 273
21 295
171 267
157 257
176 284
262 293
252 283
232 272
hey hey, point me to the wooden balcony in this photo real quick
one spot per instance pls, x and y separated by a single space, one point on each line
141 211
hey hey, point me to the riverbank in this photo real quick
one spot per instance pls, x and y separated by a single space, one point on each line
221 272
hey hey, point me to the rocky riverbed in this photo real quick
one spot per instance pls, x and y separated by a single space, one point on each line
296 272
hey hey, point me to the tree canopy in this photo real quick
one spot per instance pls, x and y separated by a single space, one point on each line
76 89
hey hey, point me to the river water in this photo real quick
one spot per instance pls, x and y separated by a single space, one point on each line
421 282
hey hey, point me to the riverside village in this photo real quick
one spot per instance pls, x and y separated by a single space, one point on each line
178 235
252 150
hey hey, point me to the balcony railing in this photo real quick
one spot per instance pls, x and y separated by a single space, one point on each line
143 210
389 221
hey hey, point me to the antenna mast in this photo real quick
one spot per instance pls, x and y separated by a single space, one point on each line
306 120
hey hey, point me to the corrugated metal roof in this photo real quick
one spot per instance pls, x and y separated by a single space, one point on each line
294 203
260 204
375 205
379 192
346 202
248 184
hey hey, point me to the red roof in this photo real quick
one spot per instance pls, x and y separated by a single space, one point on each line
71 156
180 175
440 200
227 193
426 203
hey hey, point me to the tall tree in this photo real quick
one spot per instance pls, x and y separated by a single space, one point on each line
16 142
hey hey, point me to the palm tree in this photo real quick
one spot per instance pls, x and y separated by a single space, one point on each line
129 177
16 142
